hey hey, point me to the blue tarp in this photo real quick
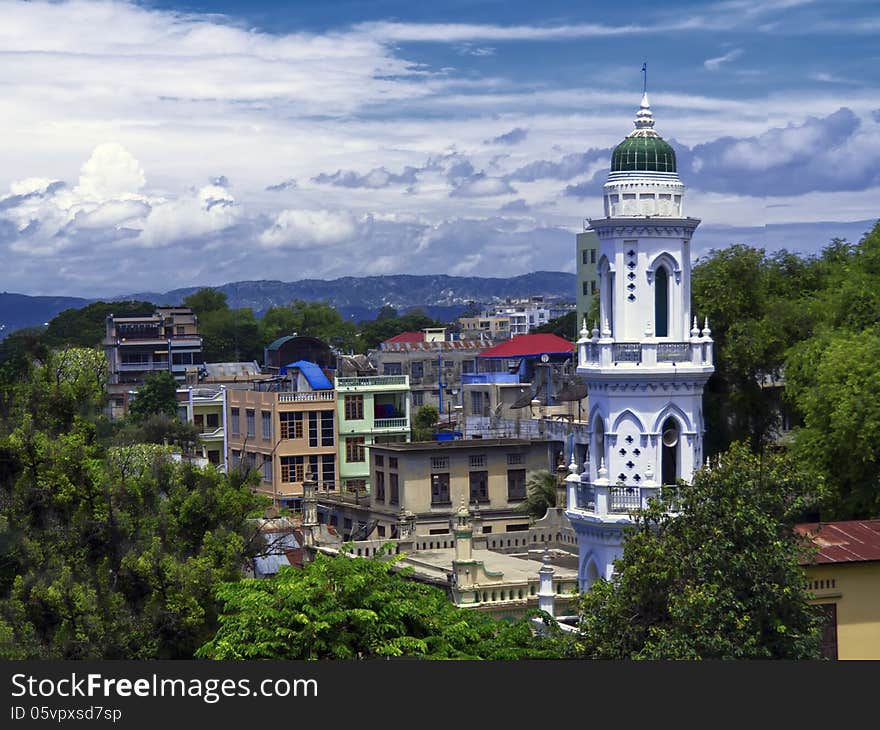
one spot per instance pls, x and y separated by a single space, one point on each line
312 373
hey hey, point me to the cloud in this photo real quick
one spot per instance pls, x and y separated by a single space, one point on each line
111 171
305 228
823 153
713 64
875 115
590 189
480 186
376 178
514 136
515 206
468 49
567 167
289 184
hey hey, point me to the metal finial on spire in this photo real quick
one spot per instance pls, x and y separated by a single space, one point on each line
645 77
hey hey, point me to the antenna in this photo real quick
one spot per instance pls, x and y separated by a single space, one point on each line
645 79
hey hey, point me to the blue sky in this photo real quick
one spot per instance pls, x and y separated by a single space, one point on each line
148 146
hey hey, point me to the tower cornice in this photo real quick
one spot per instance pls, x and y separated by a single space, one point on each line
642 226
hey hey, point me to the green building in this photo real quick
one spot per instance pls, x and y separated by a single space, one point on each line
370 410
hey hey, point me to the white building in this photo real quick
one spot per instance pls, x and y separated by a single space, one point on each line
646 368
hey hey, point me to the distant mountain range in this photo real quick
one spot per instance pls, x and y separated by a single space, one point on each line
358 298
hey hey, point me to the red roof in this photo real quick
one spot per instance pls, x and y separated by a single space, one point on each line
853 541
526 345
406 337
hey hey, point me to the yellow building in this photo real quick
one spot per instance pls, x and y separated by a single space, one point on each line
844 579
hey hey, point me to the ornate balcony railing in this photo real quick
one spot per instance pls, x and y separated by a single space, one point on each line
308 395
624 499
626 352
371 381
390 423
586 497
673 351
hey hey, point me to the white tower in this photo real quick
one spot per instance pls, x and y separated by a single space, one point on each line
646 362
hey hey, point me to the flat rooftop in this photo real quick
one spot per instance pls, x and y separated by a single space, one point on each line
516 568
455 444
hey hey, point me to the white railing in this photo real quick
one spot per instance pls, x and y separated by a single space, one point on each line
306 396
372 381
391 423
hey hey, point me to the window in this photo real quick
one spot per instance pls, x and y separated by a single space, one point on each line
292 469
380 460
439 462
516 485
392 368
392 462
354 408
181 329
477 402
266 425
669 455
585 256
213 420
513 459
199 420
380 486
467 366
213 456
418 398
356 485
394 490
328 471
440 488
585 288
477 460
593 287
516 528
487 529
592 255
327 428
354 449
236 457
417 369
661 302
267 469
236 428
291 425
251 422
479 482
313 428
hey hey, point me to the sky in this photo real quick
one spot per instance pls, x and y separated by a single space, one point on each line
146 146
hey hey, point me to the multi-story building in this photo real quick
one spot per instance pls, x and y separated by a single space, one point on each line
370 410
205 406
587 251
284 434
493 327
428 480
166 341
434 368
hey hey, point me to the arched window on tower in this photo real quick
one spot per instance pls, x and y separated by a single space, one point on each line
598 446
671 450
661 302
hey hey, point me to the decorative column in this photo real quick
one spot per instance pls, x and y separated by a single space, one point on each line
546 596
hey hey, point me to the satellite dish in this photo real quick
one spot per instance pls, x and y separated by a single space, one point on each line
670 437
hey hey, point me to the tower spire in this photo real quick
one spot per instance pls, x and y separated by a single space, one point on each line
645 78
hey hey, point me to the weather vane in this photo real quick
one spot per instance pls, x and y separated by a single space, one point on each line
645 79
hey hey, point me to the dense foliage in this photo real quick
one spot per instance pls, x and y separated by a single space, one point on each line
721 580
107 551
353 608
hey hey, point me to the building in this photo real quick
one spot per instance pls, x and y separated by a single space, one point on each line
205 406
423 480
491 326
646 367
844 580
285 433
166 341
370 410
587 252
434 368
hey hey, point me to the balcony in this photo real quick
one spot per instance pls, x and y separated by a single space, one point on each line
140 367
391 423
604 500
307 396
596 353
372 382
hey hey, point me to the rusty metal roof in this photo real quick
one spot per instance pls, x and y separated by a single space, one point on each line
852 541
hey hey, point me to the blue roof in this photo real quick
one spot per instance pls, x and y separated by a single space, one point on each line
312 373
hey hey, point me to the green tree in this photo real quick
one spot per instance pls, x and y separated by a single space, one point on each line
353 608
540 493
719 580
157 396
206 300
424 423
384 327
565 326
312 319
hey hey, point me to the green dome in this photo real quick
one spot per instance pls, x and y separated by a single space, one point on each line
643 154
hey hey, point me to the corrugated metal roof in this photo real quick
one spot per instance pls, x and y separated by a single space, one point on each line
530 345
407 337
280 341
852 541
